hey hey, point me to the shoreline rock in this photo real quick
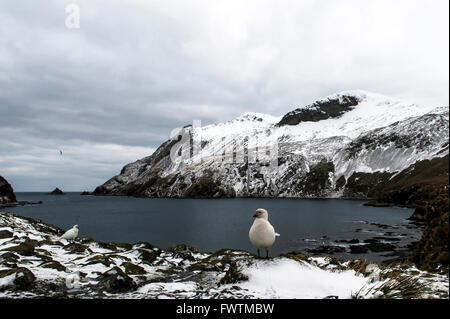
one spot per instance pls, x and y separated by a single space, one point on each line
375 203
20 203
6 192
8 198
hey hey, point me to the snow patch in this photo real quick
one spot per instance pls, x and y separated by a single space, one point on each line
290 279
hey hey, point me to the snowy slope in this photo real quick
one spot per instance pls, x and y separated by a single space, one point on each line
303 154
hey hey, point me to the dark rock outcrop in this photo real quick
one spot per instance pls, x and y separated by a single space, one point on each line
5 234
425 186
316 181
24 249
416 184
320 110
24 278
376 246
366 185
133 269
419 214
359 249
432 249
115 281
7 195
57 191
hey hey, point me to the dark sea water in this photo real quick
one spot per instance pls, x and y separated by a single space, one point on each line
212 224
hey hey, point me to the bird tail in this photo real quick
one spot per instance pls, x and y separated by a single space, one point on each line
277 235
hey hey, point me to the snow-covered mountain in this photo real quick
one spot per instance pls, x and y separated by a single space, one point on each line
341 146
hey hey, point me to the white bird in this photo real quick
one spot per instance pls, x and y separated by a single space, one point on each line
71 233
262 234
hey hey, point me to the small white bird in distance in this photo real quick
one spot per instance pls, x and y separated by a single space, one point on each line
71 234
262 234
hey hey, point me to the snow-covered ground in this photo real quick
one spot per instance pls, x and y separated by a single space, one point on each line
35 262
286 278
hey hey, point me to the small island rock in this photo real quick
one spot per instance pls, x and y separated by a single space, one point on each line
57 191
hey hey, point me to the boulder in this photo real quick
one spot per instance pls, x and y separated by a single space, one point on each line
24 249
99 259
9 256
53 264
183 251
115 281
5 234
77 248
148 256
24 278
132 269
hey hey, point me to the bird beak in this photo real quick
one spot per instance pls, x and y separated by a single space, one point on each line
255 215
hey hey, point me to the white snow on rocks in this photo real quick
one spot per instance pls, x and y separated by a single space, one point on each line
289 279
82 270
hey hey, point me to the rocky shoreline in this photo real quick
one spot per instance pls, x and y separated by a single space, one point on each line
8 198
390 244
386 243
6 192
19 203
34 262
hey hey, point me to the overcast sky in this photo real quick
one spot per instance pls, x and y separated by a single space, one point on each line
110 92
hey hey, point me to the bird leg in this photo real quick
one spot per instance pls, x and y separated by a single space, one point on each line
257 249
267 253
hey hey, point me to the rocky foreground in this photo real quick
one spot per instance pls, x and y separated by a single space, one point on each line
35 263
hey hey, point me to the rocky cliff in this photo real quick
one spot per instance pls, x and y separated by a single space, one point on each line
7 195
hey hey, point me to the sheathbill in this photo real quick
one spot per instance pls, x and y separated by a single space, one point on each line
71 234
262 234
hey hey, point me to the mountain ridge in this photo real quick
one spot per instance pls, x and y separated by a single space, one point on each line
364 134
